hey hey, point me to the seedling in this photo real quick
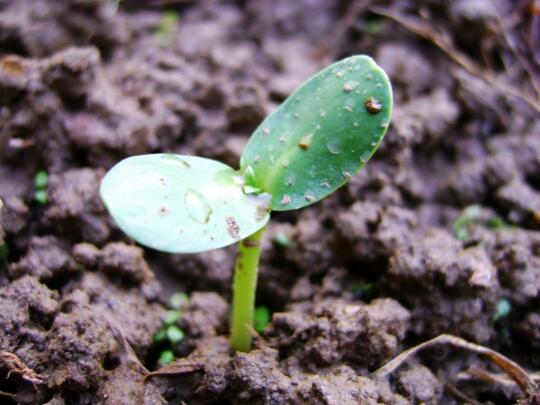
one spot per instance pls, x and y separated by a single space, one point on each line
502 310
167 26
473 216
320 137
170 332
41 180
166 357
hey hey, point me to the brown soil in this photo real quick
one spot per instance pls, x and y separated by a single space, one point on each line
369 272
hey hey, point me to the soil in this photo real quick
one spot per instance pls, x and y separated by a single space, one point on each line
391 260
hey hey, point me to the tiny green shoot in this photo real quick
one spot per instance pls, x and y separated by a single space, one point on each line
41 181
169 331
283 240
472 216
502 310
261 318
363 290
177 300
174 334
310 146
171 317
167 26
166 357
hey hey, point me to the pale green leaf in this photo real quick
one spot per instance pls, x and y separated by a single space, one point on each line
181 204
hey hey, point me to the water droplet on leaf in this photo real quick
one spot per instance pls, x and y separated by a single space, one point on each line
289 181
349 86
197 206
173 158
333 147
325 184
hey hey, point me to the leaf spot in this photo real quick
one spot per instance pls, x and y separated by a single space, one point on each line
163 210
373 106
250 243
305 142
260 212
286 199
233 228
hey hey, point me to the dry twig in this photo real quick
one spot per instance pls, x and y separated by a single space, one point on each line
512 369
443 42
15 365
176 369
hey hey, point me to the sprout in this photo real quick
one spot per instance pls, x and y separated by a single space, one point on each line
321 136
166 357
41 180
261 318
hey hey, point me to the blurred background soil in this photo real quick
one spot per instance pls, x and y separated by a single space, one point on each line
440 233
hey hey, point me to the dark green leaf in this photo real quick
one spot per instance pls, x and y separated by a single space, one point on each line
321 135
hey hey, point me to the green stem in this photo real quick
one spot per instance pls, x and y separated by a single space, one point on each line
245 285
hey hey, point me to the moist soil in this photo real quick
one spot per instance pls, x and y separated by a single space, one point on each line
440 233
